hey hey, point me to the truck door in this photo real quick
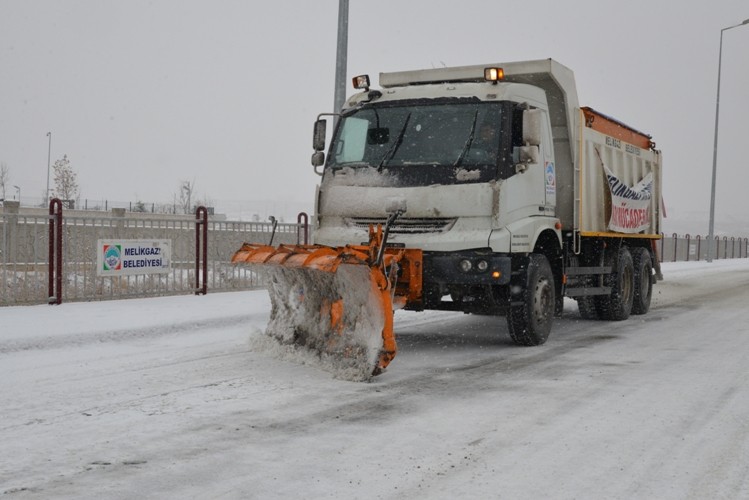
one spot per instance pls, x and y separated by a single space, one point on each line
547 161
526 188
530 189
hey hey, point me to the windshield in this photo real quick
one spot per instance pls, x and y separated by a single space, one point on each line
432 142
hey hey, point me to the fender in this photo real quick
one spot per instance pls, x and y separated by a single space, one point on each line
521 236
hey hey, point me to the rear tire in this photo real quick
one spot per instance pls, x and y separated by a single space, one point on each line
643 265
618 305
587 307
532 301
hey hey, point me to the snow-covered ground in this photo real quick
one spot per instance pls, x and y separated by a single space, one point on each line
164 398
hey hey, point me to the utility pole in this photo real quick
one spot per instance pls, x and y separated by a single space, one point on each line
341 57
711 243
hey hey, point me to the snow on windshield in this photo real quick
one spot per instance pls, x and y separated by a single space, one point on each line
435 134
364 177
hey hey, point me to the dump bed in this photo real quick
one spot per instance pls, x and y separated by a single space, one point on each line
617 179
594 154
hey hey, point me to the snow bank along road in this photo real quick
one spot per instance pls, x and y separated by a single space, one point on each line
163 398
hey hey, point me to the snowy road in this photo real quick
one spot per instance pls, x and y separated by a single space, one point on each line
163 398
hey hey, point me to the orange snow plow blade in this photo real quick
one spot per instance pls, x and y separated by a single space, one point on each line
338 302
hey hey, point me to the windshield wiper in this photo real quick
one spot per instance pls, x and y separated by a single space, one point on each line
468 143
391 152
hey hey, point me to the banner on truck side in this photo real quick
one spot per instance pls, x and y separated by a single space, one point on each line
127 257
630 206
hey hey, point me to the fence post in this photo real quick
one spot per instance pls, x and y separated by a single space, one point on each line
689 246
699 241
676 244
725 247
11 231
55 252
299 218
717 247
201 251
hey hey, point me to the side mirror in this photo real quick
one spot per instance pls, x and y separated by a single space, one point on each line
526 155
532 123
318 159
318 135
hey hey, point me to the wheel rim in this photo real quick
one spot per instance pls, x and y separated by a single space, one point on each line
542 301
645 283
627 282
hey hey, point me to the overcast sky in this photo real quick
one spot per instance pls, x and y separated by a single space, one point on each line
141 95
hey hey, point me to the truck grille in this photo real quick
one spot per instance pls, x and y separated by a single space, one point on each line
406 225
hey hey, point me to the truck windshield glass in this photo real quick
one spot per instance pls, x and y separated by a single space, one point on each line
443 142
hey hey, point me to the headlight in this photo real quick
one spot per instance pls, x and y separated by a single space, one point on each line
482 265
465 265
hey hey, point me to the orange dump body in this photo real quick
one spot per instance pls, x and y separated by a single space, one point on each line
614 128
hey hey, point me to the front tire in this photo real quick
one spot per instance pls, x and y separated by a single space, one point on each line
532 301
587 307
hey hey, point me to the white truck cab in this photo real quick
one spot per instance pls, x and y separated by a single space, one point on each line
496 172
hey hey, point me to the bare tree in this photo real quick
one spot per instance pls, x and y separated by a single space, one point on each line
204 201
4 178
186 191
66 180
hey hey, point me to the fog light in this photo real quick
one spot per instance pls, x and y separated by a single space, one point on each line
482 265
465 265
496 275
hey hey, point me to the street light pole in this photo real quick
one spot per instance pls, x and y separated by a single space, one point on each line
711 233
49 156
341 57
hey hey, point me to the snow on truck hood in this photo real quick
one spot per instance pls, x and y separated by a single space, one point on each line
467 200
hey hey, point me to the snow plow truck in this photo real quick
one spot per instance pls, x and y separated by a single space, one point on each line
484 189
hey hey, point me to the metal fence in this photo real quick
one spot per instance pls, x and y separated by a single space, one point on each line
693 248
25 252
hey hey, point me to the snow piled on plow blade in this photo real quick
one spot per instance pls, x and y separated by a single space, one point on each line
333 320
